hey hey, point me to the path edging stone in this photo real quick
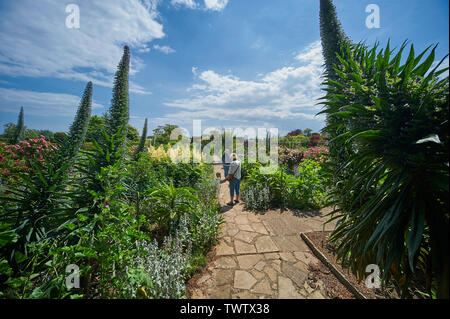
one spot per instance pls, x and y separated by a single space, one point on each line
333 269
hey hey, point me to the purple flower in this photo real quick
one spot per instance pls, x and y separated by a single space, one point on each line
107 204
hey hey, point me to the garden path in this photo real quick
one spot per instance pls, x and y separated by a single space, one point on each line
260 255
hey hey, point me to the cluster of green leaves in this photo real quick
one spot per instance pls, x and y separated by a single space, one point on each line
167 204
389 154
262 190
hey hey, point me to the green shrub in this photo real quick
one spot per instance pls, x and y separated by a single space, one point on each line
308 189
280 189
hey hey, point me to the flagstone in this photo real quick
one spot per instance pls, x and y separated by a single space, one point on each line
245 227
224 249
225 262
260 266
259 228
221 292
241 219
246 236
287 256
223 276
243 280
232 231
286 289
248 261
272 256
295 274
257 274
272 273
244 248
306 257
290 243
265 244
263 287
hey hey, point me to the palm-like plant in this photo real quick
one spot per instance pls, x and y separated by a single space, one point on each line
389 158
168 203
41 204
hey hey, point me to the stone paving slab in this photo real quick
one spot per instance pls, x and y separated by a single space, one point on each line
260 256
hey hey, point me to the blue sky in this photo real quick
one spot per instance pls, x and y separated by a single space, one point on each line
229 63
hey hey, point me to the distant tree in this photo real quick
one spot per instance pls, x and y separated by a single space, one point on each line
19 132
9 130
161 134
314 139
295 132
142 141
132 134
307 132
49 135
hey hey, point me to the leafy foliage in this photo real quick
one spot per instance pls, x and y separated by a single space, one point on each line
388 124
38 206
167 204
306 190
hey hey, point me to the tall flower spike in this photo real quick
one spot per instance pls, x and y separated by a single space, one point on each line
142 141
19 133
331 34
118 116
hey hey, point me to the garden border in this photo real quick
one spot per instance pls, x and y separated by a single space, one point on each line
333 269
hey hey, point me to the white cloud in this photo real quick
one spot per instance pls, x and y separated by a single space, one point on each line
40 103
191 4
312 54
164 49
287 93
216 5
37 43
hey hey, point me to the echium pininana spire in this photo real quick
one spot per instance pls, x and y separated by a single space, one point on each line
331 34
117 119
142 141
79 127
19 133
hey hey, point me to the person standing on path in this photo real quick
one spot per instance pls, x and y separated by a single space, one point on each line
234 177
